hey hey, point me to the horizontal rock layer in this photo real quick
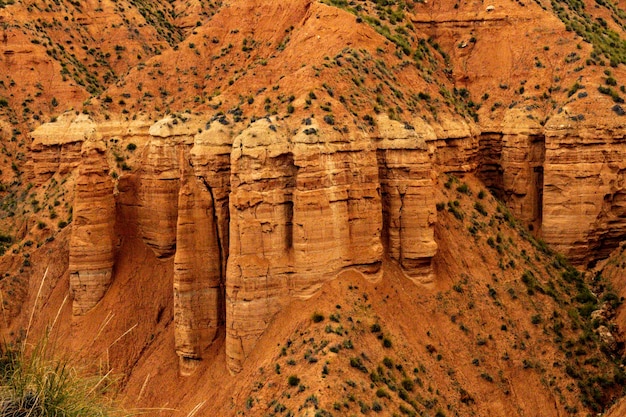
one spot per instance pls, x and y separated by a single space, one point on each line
92 242
257 217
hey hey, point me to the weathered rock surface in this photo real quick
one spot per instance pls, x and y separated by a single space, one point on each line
511 162
257 217
408 205
584 209
198 300
56 146
92 243
159 182
210 158
302 208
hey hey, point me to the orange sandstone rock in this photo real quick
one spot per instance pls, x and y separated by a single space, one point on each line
92 243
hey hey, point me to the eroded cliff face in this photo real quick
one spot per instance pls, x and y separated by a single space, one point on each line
583 191
257 216
253 218
92 243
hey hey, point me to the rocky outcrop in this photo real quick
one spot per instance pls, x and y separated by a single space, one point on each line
210 159
454 143
584 209
511 161
258 216
56 146
302 208
198 300
159 182
407 192
261 235
92 243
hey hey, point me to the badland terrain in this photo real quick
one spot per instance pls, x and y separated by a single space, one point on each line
316 208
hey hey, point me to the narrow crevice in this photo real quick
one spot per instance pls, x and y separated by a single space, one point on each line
222 306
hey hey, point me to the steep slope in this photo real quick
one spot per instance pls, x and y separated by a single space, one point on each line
509 338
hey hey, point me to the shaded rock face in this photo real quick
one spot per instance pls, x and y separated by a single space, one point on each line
511 164
584 214
406 186
92 242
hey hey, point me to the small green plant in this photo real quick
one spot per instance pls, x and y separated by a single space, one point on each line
381 393
464 188
387 342
357 363
317 317
480 208
293 380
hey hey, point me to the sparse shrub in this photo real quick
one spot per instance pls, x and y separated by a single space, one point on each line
381 393
387 342
408 384
480 208
388 362
317 317
486 377
464 188
293 380
375 328
357 363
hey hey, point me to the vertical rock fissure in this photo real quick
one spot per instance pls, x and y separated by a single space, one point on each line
538 156
218 237
401 227
489 168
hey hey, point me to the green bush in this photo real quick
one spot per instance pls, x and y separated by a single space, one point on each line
293 380
317 317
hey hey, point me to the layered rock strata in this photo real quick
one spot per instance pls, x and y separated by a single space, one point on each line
302 208
511 163
92 242
197 272
584 194
406 187
159 182
56 146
